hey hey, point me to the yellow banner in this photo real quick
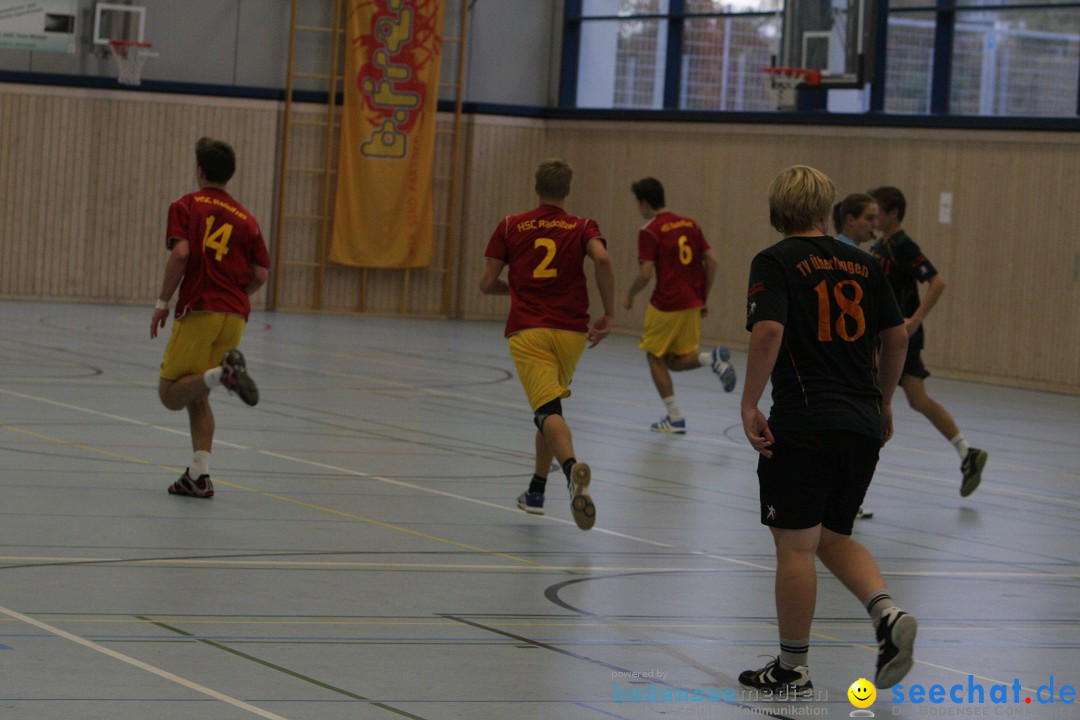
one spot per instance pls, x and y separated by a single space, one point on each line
383 212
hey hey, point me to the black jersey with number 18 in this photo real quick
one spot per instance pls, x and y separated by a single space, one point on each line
833 300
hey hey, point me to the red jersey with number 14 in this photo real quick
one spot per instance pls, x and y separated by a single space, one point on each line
677 247
545 249
225 241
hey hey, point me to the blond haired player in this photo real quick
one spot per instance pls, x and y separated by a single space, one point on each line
548 324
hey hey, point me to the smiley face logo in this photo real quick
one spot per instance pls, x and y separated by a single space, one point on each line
862 693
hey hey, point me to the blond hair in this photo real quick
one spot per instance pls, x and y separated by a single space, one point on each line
800 199
553 178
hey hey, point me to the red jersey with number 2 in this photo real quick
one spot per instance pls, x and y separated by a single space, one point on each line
677 248
225 241
545 249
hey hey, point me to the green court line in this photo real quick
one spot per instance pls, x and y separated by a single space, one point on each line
272 666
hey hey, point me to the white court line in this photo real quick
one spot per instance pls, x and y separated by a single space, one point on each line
455 496
141 665
122 418
463 498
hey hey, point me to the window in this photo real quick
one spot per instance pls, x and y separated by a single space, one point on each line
963 57
1002 57
707 56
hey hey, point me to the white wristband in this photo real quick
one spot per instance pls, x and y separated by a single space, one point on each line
161 305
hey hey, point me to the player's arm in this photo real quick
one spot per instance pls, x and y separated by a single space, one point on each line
765 339
259 276
711 266
605 282
641 280
490 284
934 288
175 267
893 350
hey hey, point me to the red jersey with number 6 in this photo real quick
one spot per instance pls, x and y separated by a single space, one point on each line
677 248
545 249
225 241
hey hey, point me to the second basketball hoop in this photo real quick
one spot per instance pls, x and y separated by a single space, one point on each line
130 55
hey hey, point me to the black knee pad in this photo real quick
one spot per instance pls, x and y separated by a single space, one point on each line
544 411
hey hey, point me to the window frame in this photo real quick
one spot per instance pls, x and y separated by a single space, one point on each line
945 18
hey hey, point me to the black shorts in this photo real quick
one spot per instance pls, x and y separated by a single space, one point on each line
816 477
913 364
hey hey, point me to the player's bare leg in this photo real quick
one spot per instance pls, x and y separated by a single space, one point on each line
972 460
556 434
915 390
674 422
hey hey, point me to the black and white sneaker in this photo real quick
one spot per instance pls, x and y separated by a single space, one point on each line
896 643
779 681
972 468
236 379
721 365
200 487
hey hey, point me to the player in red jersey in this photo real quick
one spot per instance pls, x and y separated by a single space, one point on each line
217 258
548 324
676 249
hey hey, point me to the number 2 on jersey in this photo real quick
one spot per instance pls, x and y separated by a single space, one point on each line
542 270
218 239
849 308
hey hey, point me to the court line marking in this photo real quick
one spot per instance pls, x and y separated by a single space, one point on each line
282 498
172 677
418 487
455 496
121 418
279 668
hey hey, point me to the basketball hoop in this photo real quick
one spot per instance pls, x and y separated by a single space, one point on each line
784 83
130 56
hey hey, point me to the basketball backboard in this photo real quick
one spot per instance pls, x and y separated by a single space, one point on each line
113 21
835 37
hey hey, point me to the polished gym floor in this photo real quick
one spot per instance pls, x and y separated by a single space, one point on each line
364 558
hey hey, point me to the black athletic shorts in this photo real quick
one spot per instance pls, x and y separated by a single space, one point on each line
913 364
816 477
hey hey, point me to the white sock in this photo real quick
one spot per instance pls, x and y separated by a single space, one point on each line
705 359
212 377
672 408
961 445
200 464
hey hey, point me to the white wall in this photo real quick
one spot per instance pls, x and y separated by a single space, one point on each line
513 51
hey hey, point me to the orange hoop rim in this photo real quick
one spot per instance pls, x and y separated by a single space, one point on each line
130 43
810 77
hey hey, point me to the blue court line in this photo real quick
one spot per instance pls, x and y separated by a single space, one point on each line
602 712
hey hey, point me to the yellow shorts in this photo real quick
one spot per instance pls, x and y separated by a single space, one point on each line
198 342
545 360
671 333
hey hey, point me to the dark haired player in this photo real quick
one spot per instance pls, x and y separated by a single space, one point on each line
217 258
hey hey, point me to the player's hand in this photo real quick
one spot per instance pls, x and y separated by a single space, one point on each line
757 431
628 303
158 321
704 311
911 325
600 330
886 417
